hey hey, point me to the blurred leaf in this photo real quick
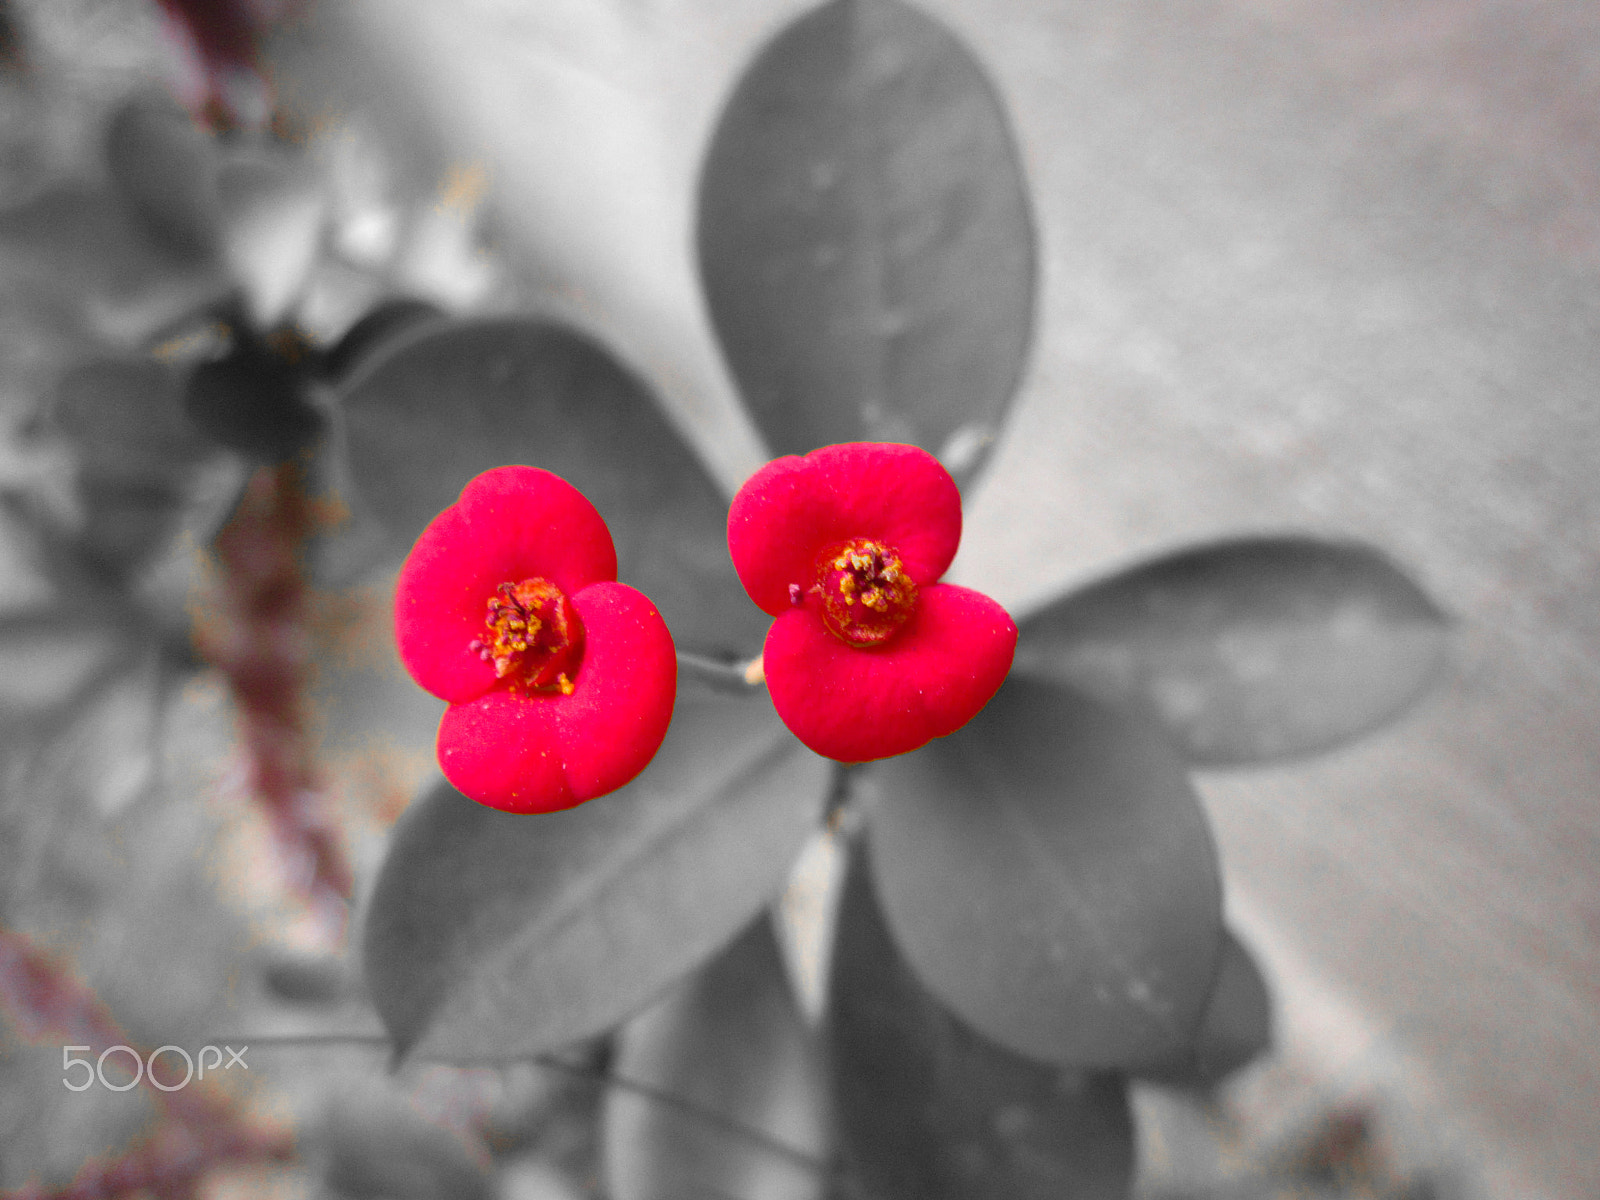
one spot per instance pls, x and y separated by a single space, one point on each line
1236 1028
380 1146
80 248
450 403
1248 650
865 238
386 321
125 419
493 935
525 1178
273 217
48 658
127 523
13 43
594 195
253 400
25 573
135 453
115 736
94 275
1049 874
305 977
742 1104
929 1110
165 168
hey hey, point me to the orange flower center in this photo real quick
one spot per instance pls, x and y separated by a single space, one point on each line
866 593
535 636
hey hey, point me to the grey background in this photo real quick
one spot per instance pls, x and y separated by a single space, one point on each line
1334 267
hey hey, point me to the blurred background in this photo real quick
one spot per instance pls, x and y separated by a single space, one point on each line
1305 266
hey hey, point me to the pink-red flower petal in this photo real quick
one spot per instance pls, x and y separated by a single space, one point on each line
511 523
543 751
933 677
793 508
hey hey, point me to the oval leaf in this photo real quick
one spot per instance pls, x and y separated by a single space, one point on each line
458 400
931 1111
493 935
77 248
1248 650
738 1103
385 322
1236 1028
165 168
48 658
127 523
305 977
380 1146
865 238
1049 874
253 400
273 215
125 419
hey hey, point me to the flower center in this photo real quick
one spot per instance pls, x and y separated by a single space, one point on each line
866 593
535 636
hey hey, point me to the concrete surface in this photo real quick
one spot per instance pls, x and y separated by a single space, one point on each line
1334 267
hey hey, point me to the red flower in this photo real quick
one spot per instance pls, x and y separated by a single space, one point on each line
870 655
561 681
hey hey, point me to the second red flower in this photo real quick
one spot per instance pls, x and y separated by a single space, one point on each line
870 656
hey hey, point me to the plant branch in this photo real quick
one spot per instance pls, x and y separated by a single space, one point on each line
823 1170
733 678
261 646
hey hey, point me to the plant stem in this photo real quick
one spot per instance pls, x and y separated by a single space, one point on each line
553 1062
733 678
